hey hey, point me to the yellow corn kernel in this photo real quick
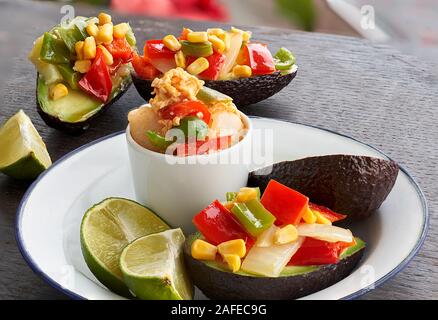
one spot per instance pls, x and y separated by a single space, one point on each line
217 43
89 48
215 31
82 66
171 42
107 56
242 71
79 49
246 35
320 218
197 36
236 247
104 18
105 34
286 234
92 29
199 65
225 37
236 30
233 262
309 216
120 30
202 250
246 194
58 91
180 59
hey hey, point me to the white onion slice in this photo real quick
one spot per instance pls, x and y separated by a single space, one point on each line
324 232
266 239
236 40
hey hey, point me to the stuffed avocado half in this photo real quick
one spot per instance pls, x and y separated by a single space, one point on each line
228 61
83 66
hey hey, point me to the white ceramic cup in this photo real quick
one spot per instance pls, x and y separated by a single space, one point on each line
178 191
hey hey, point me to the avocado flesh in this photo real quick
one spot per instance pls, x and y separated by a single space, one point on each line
348 184
288 271
243 91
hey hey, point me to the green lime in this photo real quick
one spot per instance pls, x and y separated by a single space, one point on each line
23 154
106 229
153 267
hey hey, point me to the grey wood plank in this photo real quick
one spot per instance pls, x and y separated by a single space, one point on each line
370 92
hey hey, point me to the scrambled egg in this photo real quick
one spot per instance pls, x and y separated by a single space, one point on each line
174 86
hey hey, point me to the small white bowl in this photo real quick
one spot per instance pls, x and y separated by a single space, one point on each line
177 188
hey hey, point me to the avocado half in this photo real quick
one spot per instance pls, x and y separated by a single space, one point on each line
348 184
74 113
244 91
216 282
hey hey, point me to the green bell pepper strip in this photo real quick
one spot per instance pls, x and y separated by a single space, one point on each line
54 50
202 49
253 216
130 37
69 75
231 196
71 36
158 140
207 95
193 127
284 59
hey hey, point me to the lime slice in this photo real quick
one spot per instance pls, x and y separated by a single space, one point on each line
153 267
106 229
23 153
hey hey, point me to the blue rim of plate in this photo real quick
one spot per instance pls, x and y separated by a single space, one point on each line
37 270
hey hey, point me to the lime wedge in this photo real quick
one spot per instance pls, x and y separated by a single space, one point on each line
23 154
153 267
106 229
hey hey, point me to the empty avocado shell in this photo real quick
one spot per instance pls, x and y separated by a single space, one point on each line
244 91
351 185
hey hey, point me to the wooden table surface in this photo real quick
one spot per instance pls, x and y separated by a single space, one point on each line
372 93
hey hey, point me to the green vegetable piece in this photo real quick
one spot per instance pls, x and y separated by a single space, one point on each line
193 127
130 37
70 76
202 49
284 59
71 36
253 216
207 95
54 50
231 196
158 140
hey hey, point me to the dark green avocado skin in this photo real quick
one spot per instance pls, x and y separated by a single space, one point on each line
351 185
244 91
220 285
75 128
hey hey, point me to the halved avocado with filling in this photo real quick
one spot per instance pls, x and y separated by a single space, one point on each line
243 91
352 185
217 282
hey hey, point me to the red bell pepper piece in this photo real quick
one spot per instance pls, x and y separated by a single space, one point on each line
97 80
155 49
217 225
286 204
185 108
202 147
143 68
326 212
120 49
215 62
259 58
316 252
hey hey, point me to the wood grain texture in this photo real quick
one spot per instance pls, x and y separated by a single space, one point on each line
372 93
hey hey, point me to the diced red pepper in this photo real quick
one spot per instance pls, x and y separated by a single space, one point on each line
215 62
143 68
203 147
120 49
317 252
327 213
217 225
97 80
116 64
286 204
259 58
185 108
155 49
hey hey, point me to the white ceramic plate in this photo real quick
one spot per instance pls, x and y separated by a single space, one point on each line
50 213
